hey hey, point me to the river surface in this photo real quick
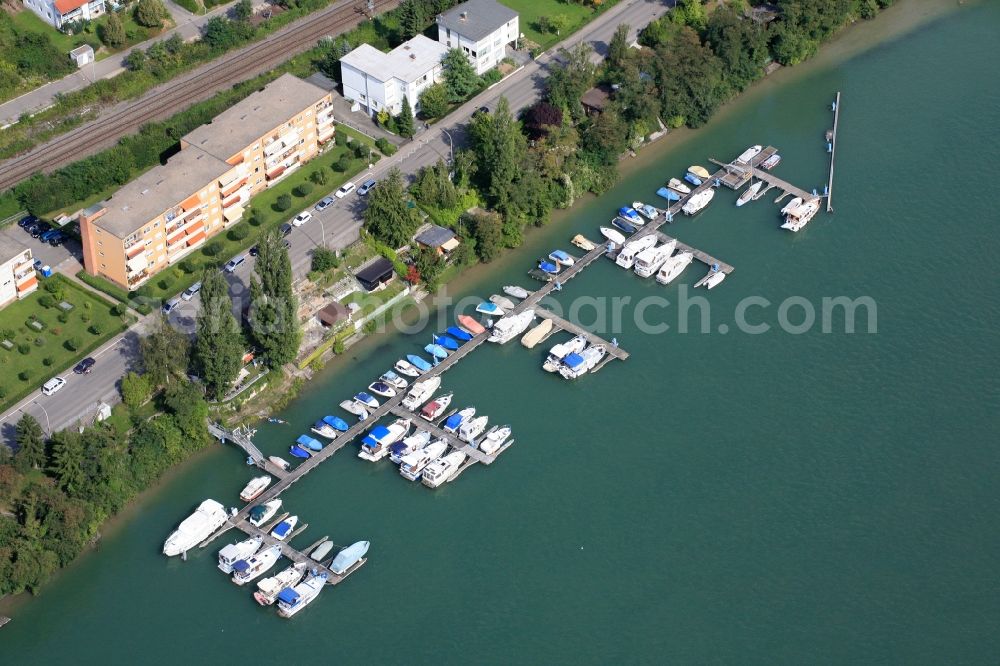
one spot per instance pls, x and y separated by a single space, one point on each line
718 497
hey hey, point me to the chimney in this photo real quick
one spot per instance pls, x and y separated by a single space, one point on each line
464 15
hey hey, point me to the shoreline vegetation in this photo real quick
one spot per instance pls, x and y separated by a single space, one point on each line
55 495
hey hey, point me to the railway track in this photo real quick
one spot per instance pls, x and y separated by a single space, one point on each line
195 86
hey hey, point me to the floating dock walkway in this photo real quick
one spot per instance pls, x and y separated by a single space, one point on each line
241 440
833 152
558 322
422 424
735 176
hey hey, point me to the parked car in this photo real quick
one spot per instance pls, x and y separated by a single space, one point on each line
37 229
366 187
53 385
38 264
234 263
57 239
286 229
324 203
169 306
27 221
191 291
85 366
253 251
302 218
50 234
344 190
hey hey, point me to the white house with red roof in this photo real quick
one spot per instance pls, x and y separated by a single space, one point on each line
60 12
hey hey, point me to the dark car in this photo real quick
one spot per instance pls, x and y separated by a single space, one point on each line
37 229
286 229
51 233
85 366
38 264
482 109
288 244
27 221
57 239
253 251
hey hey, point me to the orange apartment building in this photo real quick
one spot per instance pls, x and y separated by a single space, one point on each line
171 210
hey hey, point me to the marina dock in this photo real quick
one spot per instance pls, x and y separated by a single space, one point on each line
833 152
475 455
558 322
735 176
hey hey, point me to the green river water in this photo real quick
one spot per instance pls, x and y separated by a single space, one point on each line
773 498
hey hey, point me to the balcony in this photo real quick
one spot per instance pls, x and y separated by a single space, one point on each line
27 286
283 157
236 198
325 116
233 186
285 140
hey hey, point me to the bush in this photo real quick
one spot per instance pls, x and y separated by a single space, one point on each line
338 347
303 189
343 164
361 151
47 361
187 266
492 76
283 203
239 232
340 138
318 176
324 259
46 301
385 147
39 342
95 329
24 348
84 317
118 309
212 249
102 285
72 344
62 317
24 375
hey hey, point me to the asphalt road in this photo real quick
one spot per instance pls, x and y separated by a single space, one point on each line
336 227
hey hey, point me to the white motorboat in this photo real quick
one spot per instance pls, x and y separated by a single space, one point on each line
208 517
378 442
257 485
473 428
293 599
406 368
442 469
677 185
673 267
452 423
577 365
562 258
649 260
262 513
412 465
410 444
235 552
631 249
558 352
268 588
349 557
393 380
799 216
494 439
647 211
382 389
324 429
354 407
281 463
794 203
613 235
421 392
503 302
283 529
508 328
749 154
714 279
749 193
516 291
249 569
698 202
436 407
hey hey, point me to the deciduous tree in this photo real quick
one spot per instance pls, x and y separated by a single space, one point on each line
460 79
274 308
434 101
218 345
388 216
113 32
150 13
165 352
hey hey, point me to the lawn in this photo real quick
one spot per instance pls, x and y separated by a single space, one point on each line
576 16
65 337
27 21
265 216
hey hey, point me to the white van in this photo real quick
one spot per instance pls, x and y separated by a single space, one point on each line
53 385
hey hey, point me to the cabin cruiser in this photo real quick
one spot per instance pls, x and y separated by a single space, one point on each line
794 203
235 552
255 487
393 380
405 368
376 444
698 202
626 258
268 588
770 162
418 362
284 528
208 517
613 235
247 570
473 428
509 328
414 442
554 360
749 154
421 392
382 389
442 469
676 184
647 211
799 216
348 557
673 267
293 599
329 426
649 260
412 465
435 407
714 279
445 341
561 258
749 193
631 215
452 423
262 513
668 194
576 365
494 439
368 401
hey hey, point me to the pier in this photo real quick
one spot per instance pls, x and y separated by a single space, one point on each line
833 153
735 176
475 455
242 440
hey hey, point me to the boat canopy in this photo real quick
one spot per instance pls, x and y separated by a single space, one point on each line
668 194
572 360
289 596
258 512
419 362
336 423
241 565
298 451
309 442
560 255
445 341
378 432
456 332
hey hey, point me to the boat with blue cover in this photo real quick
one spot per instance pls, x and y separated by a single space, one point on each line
491 309
307 442
382 389
293 599
445 341
284 528
325 428
693 179
393 380
631 215
437 351
348 557
377 442
367 400
459 333
548 267
562 258
453 422
336 423
623 225
299 452
418 362
668 194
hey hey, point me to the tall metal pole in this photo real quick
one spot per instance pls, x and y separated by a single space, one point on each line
451 143
48 424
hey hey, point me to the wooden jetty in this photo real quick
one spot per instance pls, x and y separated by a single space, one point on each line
241 440
452 439
736 175
833 153
614 351
703 257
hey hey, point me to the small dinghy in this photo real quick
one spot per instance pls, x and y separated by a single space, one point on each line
516 291
647 211
631 215
454 422
307 442
448 343
491 309
561 258
393 380
366 400
502 301
459 333
406 368
583 242
382 389
418 362
613 235
320 552
299 452
470 324
677 185
548 267
280 463
668 194
715 279
437 351
623 225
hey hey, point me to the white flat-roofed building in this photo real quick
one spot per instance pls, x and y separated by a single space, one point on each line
482 29
17 273
378 80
